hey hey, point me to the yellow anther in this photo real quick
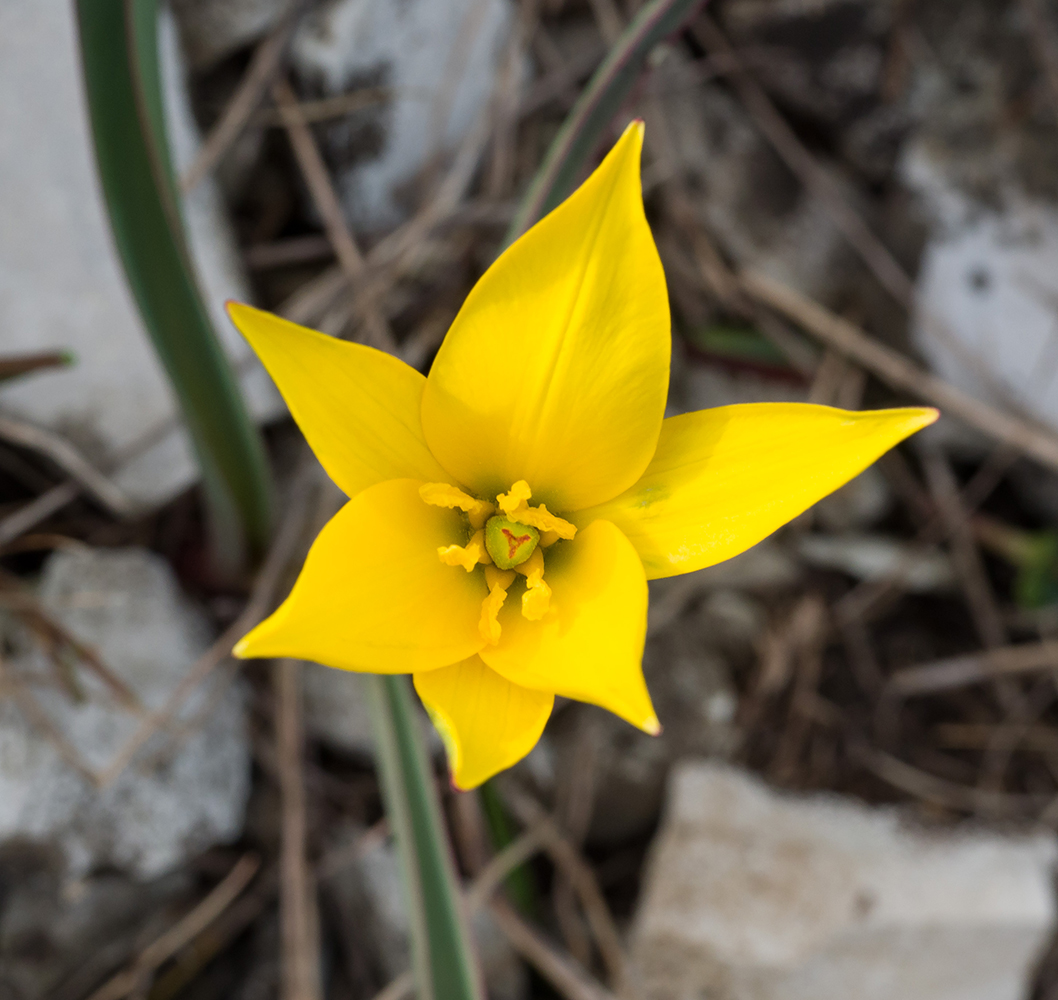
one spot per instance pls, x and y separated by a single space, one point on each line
513 504
537 597
468 556
543 520
548 538
514 499
498 581
443 495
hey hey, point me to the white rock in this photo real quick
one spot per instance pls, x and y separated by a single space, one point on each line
754 895
61 285
170 803
439 57
987 292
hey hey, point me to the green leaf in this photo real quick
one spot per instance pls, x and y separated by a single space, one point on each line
119 53
442 959
596 108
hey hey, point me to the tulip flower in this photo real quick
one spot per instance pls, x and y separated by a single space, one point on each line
506 512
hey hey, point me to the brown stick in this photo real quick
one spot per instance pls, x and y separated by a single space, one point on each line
38 510
561 972
569 861
164 947
259 74
299 919
973 668
314 170
69 459
899 372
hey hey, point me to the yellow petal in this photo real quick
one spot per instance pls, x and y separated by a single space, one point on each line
487 723
589 644
723 479
556 369
373 595
359 409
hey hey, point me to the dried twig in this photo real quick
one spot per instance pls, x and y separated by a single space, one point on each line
164 947
941 792
565 975
69 459
973 668
871 250
901 373
318 180
263 68
569 861
299 919
13 595
41 721
972 575
38 510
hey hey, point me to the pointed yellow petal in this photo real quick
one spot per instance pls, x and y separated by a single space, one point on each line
487 723
359 409
589 644
723 479
373 595
556 369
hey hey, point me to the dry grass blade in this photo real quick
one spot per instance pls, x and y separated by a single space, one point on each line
166 946
299 919
69 459
946 794
973 668
971 570
789 147
570 863
900 373
515 854
871 250
568 978
14 596
28 517
41 722
263 67
318 180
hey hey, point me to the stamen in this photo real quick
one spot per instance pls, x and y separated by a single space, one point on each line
537 597
498 581
467 556
548 538
443 495
513 504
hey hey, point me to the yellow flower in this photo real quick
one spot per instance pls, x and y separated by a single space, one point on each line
506 512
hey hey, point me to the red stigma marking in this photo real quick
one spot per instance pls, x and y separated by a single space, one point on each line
514 542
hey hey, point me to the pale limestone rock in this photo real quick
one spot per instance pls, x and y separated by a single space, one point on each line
175 799
752 894
441 60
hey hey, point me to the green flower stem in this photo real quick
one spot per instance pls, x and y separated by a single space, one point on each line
442 959
119 52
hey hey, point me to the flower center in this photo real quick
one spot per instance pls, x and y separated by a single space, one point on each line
506 544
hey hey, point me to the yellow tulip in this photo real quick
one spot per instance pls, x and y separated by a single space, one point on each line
506 512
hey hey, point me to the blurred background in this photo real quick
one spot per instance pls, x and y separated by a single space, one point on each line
856 790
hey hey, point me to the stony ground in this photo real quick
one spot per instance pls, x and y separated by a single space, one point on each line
895 645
